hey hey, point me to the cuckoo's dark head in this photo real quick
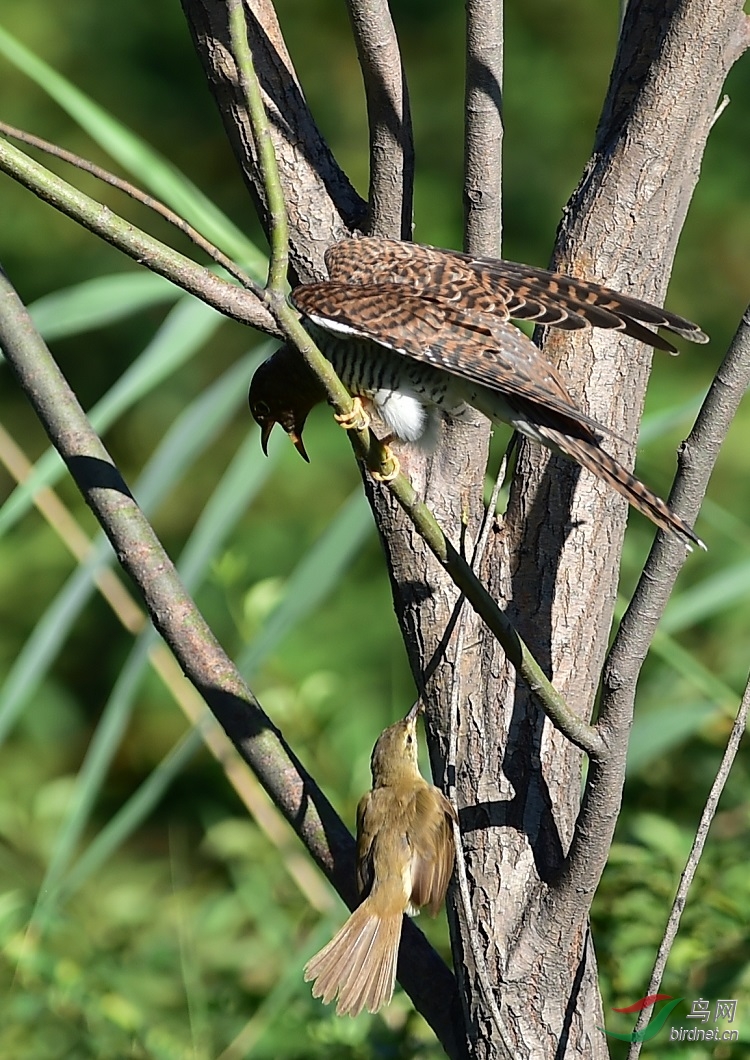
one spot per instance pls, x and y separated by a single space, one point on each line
283 390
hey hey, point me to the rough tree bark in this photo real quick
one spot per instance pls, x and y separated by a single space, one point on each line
554 560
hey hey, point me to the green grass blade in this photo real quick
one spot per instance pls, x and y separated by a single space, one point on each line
660 731
191 434
691 669
43 645
103 746
97 303
707 598
195 429
315 576
186 329
688 667
132 814
239 485
658 424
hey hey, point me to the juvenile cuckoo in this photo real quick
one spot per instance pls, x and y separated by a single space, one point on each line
418 332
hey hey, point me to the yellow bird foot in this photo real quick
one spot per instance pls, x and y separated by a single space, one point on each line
356 420
389 457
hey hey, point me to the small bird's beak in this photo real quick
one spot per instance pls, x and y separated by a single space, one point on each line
265 434
414 713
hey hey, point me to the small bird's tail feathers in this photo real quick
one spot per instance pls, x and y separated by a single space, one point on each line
359 963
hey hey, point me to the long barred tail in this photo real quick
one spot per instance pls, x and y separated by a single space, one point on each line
595 459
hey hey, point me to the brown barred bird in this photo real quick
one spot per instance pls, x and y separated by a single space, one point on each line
405 856
418 332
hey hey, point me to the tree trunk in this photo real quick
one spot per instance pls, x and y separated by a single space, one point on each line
553 561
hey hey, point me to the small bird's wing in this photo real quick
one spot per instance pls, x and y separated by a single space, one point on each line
510 290
473 346
365 838
433 850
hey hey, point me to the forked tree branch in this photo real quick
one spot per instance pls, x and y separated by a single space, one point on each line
366 445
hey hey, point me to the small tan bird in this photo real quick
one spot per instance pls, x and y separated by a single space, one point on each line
405 856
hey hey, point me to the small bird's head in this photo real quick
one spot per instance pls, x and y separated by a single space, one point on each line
283 390
395 756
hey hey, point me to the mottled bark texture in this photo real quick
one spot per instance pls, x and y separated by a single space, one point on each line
554 560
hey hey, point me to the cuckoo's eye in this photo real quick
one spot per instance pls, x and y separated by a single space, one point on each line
261 410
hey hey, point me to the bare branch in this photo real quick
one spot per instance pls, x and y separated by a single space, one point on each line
424 975
235 302
134 193
691 866
483 135
627 655
391 144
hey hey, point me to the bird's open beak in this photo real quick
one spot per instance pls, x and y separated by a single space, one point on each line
296 439
265 434
299 445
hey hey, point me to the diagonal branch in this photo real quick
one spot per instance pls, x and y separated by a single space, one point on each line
134 193
691 867
601 801
236 302
422 972
391 190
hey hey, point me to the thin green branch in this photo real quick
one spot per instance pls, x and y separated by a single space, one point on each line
278 223
370 450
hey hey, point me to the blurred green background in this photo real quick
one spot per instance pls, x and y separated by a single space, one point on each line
142 912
